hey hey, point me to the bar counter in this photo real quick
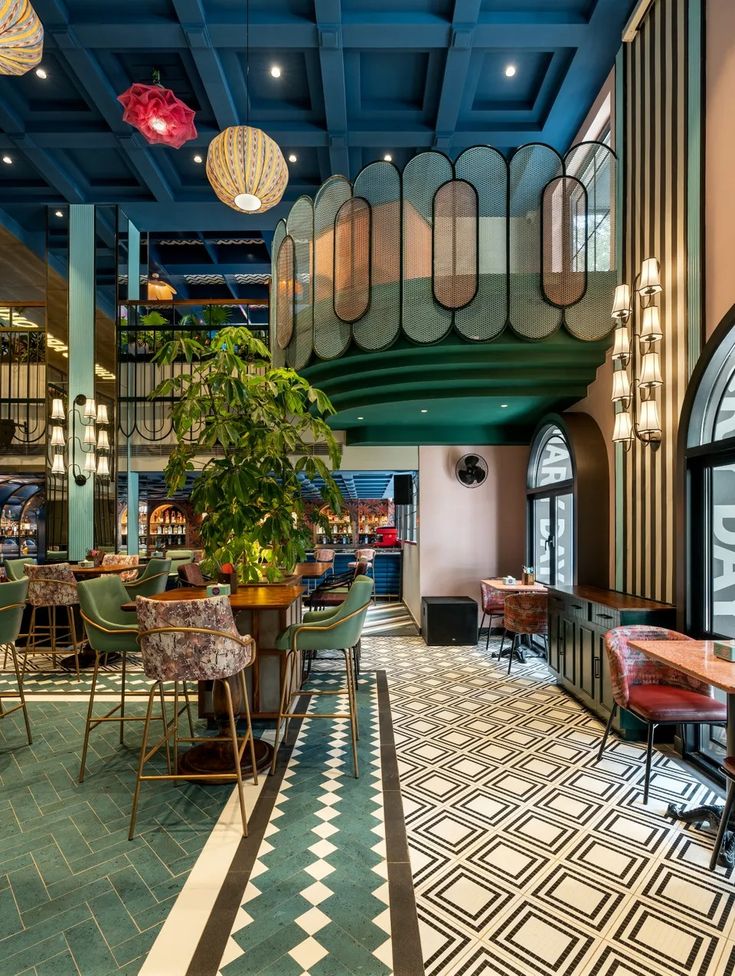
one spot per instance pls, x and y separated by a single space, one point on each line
386 567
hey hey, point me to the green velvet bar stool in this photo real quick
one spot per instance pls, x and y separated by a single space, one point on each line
110 630
151 581
14 568
12 604
337 630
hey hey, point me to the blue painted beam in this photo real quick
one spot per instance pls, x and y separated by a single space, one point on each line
466 14
332 63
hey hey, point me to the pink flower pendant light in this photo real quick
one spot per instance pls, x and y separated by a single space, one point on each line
158 114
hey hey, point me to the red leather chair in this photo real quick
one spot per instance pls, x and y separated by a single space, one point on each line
655 693
525 613
493 605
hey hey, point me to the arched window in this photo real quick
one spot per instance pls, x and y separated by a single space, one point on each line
551 549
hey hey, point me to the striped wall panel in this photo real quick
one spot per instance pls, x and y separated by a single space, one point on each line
660 122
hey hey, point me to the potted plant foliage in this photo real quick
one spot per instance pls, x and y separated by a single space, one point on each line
249 428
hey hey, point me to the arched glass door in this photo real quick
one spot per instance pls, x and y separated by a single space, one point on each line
551 508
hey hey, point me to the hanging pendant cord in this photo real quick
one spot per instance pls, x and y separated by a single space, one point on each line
247 61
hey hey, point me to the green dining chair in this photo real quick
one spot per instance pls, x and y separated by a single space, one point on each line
329 630
151 581
14 568
178 557
12 604
110 630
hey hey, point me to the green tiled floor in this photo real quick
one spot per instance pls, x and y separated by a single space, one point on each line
75 894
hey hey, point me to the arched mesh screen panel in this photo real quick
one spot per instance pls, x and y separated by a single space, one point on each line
278 355
300 226
380 185
455 244
564 252
423 319
485 317
331 335
531 168
352 260
595 165
285 299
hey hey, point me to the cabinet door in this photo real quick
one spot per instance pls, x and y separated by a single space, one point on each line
568 662
604 686
586 645
554 627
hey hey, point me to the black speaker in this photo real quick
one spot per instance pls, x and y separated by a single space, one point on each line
403 489
447 620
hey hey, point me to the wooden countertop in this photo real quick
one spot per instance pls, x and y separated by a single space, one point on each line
694 657
613 599
274 596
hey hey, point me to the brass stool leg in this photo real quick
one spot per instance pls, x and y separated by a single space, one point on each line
19 678
249 731
87 729
52 631
188 708
141 760
165 727
31 640
122 698
282 707
291 686
353 710
73 632
236 754
176 728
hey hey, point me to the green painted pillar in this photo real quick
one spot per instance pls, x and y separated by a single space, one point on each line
619 497
133 294
81 367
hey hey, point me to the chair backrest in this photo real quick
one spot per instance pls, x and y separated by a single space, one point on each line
152 580
367 554
101 601
14 568
324 555
629 667
191 640
526 613
51 585
122 559
191 574
360 569
12 603
492 599
344 627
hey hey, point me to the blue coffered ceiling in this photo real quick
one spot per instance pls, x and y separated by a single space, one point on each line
359 79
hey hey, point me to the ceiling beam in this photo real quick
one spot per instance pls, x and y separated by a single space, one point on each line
332 63
459 55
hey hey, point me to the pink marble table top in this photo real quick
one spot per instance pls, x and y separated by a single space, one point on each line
695 658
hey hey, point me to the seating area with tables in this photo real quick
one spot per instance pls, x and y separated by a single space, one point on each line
367 488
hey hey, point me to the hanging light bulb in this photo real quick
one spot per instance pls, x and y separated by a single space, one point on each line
57 409
102 417
57 437
58 466
90 409
623 427
103 468
103 444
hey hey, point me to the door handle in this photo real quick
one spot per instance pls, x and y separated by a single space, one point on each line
596 669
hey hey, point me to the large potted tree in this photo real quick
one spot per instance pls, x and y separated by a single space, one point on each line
250 429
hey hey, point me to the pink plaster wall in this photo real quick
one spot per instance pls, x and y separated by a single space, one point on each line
466 534
719 214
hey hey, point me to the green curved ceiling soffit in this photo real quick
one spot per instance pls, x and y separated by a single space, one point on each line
452 392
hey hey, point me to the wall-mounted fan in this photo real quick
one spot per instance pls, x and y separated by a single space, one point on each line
471 470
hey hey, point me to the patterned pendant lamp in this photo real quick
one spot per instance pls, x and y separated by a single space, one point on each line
245 166
21 37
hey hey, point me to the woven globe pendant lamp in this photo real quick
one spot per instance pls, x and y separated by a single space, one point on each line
21 37
246 169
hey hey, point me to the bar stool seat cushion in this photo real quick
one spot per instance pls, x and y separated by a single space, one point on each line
666 703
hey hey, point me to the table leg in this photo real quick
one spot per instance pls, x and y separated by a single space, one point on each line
711 813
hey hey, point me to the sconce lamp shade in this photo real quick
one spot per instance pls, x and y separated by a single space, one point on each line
21 37
246 169
649 422
621 348
158 115
57 437
57 409
650 281
621 386
89 435
103 468
58 466
650 371
90 463
102 417
103 442
90 409
651 325
623 431
621 303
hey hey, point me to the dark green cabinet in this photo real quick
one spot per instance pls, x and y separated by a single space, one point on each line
579 618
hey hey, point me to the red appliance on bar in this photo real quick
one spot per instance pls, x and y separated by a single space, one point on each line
387 537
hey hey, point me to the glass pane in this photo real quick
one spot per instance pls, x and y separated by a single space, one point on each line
725 417
563 548
541 536
723 550
554 462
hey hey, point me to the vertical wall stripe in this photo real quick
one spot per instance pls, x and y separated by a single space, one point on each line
133 545
81 365
662 179
620 263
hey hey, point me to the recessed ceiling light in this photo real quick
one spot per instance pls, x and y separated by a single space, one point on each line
503 406
292 157
388 158
510 70
7 160
360 418
198 159
275 71
59 213
424 411
41 73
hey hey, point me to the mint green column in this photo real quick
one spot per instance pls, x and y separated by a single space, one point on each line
619 499
133 295
81 367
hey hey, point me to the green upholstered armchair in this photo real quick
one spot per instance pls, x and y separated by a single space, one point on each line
178 557
327 630
14 568
152 580
12 604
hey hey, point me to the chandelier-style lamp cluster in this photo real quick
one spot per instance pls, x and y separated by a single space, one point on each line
158 114
93 440
636 406
246 169
21 37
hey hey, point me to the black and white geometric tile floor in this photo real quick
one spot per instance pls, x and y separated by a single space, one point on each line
528 856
